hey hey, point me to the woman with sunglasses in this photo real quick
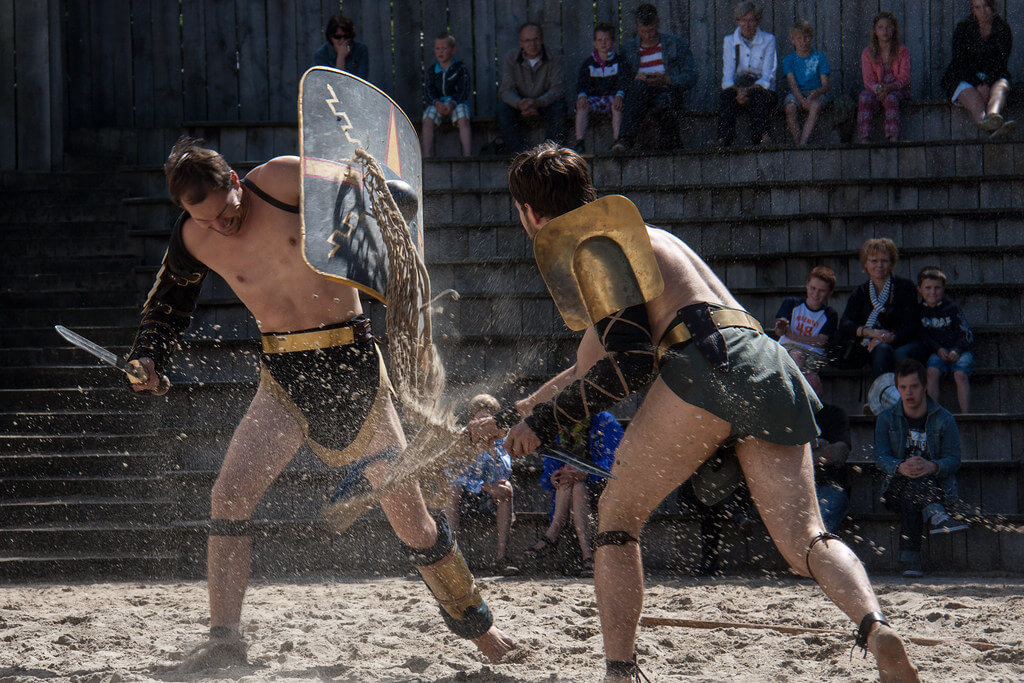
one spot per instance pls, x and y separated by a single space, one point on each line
341 51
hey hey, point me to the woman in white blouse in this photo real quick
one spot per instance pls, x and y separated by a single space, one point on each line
748 76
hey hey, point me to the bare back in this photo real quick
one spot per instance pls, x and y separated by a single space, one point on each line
263 262
687 280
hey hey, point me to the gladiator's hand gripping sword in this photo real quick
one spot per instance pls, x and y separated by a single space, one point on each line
136 373
587 467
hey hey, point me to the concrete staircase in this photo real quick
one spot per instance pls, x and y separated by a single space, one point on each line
80 463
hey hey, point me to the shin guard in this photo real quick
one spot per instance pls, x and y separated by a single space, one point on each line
446 574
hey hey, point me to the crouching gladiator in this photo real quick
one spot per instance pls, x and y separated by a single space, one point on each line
657 318
322 380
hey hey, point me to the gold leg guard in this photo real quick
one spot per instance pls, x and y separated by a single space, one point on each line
452 584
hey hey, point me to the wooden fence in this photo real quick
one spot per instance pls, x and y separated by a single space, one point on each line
161 63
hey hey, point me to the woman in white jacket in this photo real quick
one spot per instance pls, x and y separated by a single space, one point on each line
748 76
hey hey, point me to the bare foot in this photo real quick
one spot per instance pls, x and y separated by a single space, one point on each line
494 644
893 662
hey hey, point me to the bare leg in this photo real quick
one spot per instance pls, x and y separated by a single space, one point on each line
663 445
811 122
582 118
616 123
502 494
263 443
933 384
427 135
781 482
963 390
451 508
563 500
792 125
407 512
581 518
971 100
466 136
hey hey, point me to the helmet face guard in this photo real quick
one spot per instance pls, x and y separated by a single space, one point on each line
597 260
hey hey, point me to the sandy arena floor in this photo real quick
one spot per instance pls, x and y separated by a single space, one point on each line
389 630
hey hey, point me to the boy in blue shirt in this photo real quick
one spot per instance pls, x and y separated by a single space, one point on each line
447 94
807 73
945 336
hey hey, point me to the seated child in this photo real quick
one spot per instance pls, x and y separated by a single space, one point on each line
805 326
601 85
807 72
945 336
488 474
575 489
447 94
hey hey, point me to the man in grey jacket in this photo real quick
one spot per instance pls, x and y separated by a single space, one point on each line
532 84
917 446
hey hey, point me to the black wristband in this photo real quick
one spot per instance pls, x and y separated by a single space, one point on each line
507 417
542 422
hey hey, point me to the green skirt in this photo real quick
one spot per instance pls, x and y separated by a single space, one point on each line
762 394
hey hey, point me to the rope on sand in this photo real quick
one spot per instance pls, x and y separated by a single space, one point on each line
416 370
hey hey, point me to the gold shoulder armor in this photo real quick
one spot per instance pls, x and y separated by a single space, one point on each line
596 260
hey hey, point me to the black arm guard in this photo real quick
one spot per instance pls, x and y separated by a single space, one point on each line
629 366
170 303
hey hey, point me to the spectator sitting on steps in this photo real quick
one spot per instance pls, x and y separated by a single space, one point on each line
601 84
664 72
532 85
807 73
945 336
917 446
748 76
805 325
341 51
447 90
885 67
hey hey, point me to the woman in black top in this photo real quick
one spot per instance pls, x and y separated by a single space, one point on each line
880 322
978 78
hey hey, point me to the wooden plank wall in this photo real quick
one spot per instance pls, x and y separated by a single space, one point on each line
160 63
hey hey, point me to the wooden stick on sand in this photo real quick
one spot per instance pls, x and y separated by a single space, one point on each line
797 630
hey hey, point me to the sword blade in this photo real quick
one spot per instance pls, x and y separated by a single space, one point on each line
587 467
90 347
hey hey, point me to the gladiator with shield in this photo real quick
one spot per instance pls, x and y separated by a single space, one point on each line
656 318
297 242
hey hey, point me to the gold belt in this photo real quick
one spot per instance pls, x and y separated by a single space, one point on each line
722 317
306 341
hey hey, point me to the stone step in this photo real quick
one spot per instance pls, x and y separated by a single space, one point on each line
44 197
37 249
54 181
298 494
93 566
69 298
46 214
132 537
122 487
110 316
138 442
78 398
123 262
83 510
71 422
62 232
86 280
46 336
82 464
990 438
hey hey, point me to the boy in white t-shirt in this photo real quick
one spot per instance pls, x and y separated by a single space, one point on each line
805 325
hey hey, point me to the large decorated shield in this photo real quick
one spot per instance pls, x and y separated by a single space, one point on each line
338 113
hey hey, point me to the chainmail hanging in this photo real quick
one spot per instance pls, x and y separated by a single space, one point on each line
415 367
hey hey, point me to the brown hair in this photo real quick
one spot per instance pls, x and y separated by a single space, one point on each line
879 244
447 37
802 26
647 14
193 171
604 27
908 367
931 273
482 402
553 180
825 274
895 33
340 21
